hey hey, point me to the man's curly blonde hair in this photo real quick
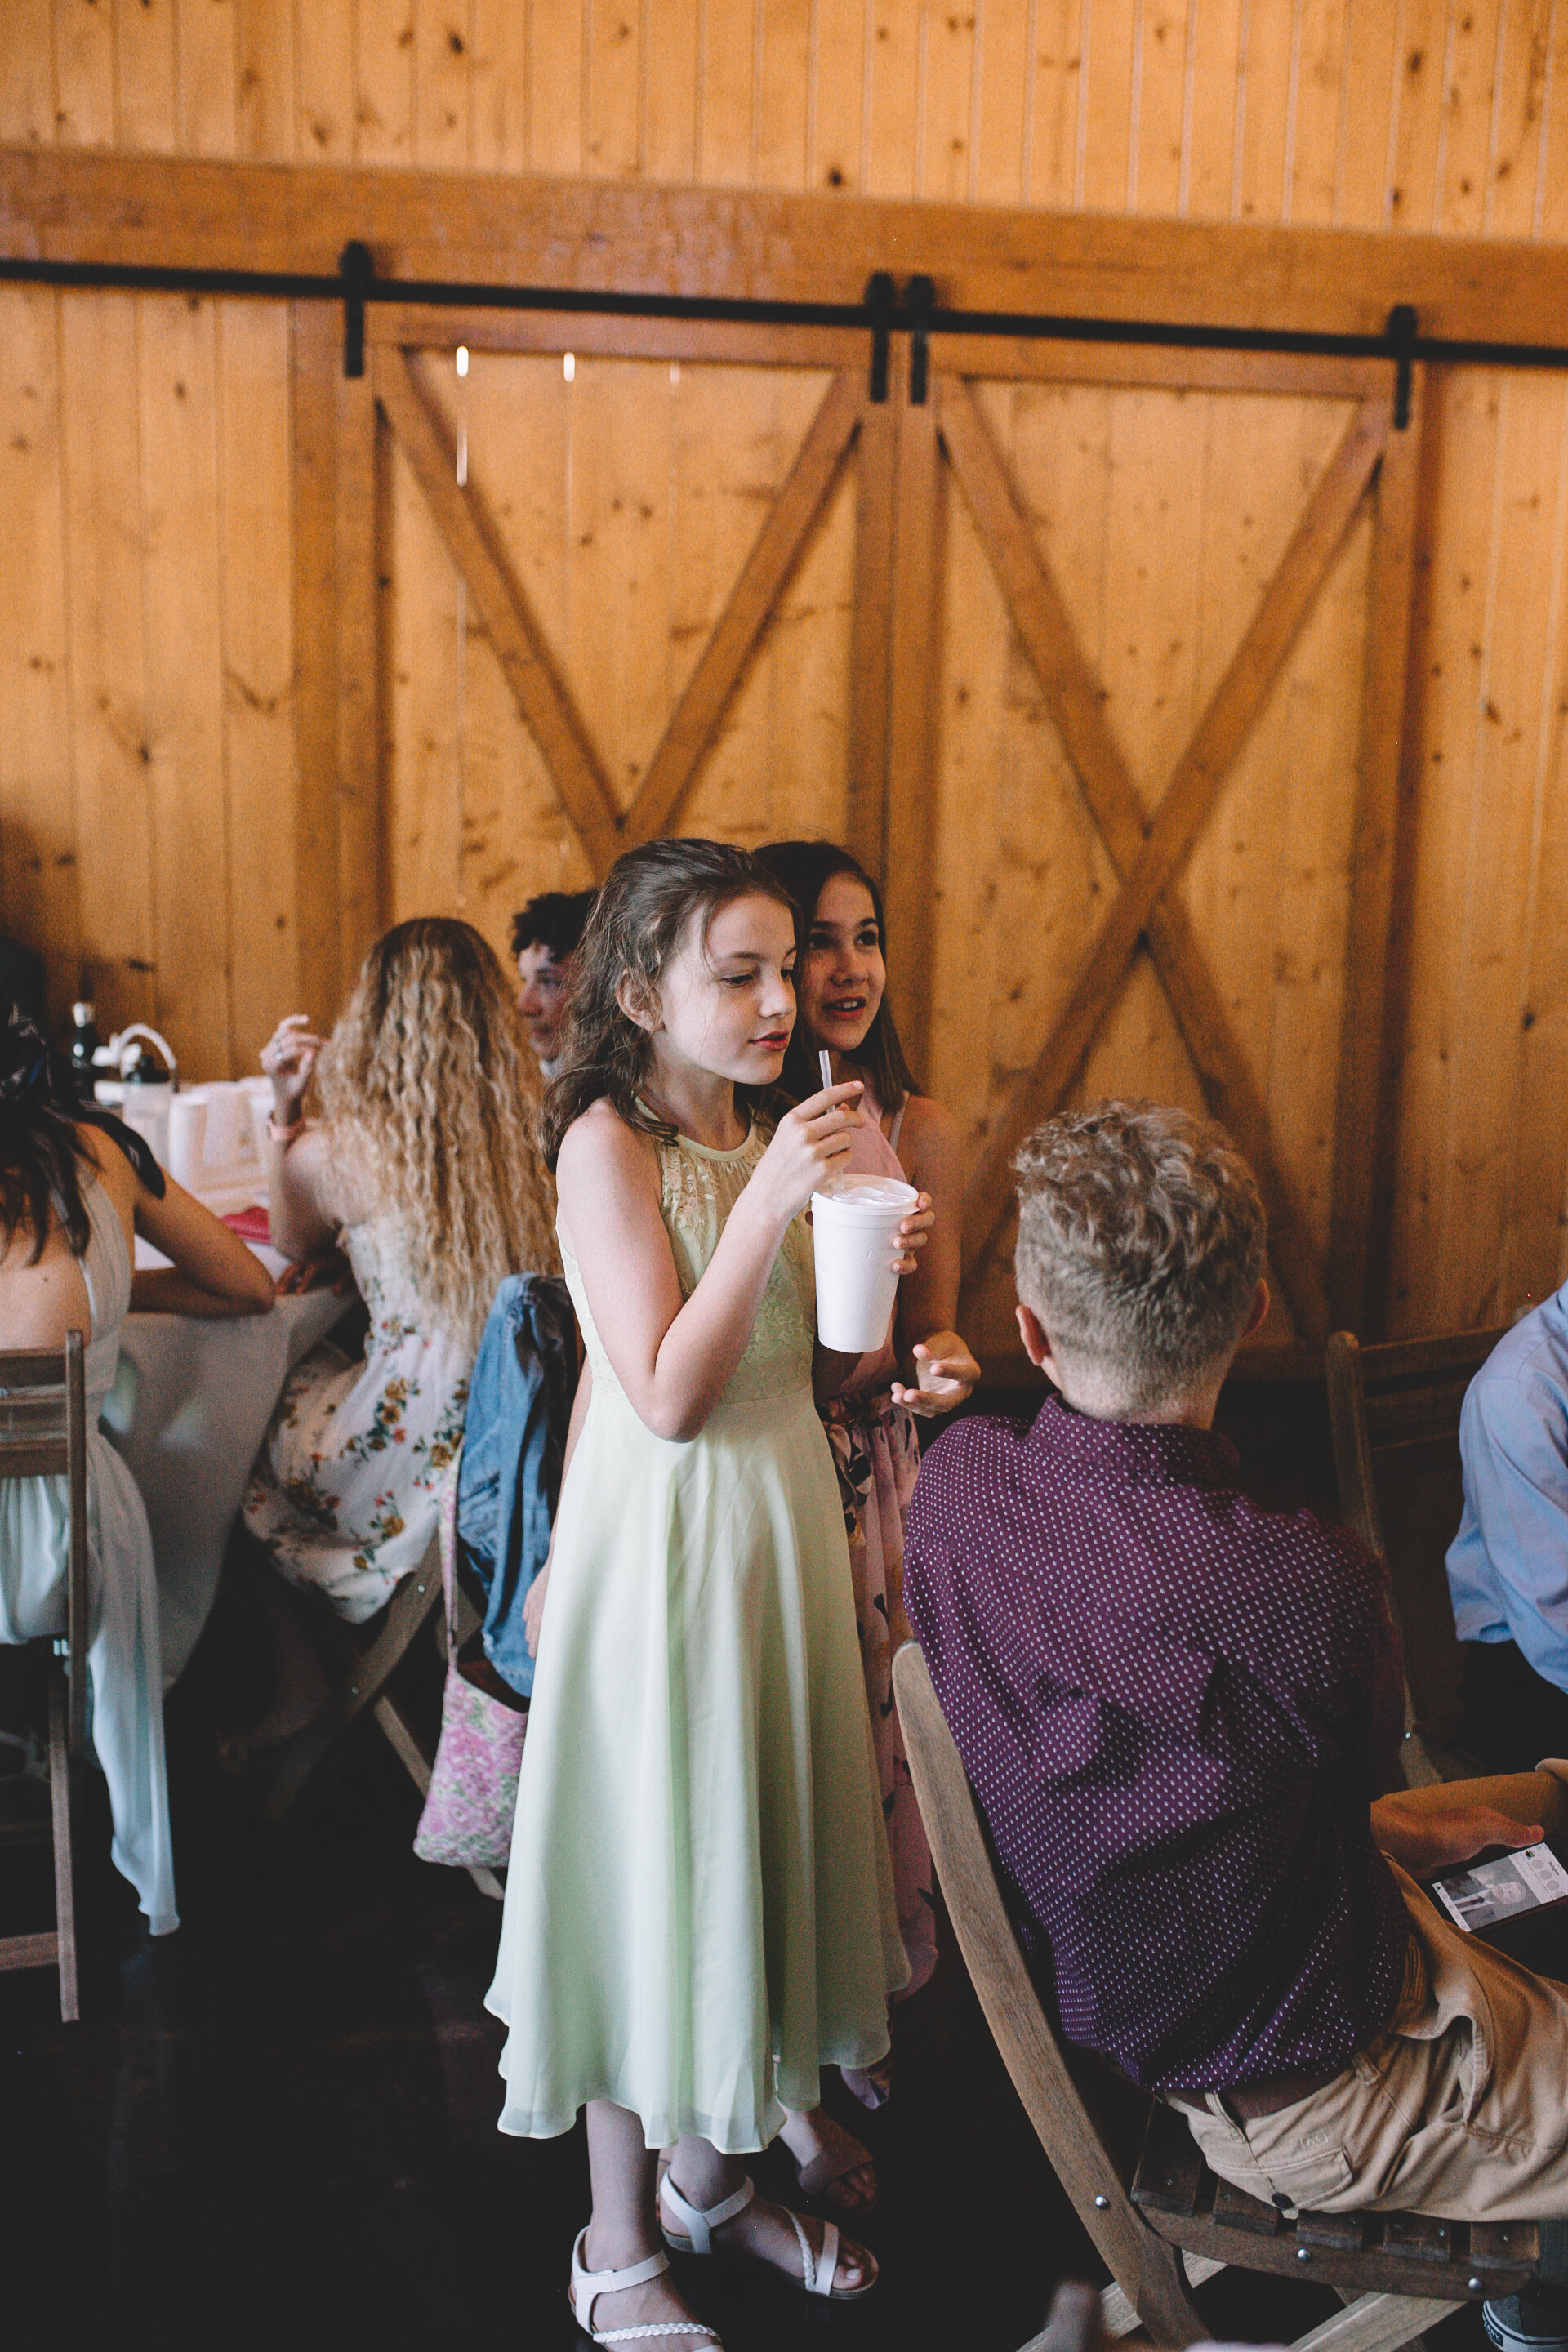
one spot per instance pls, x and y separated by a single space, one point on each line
1141 1242
429 1095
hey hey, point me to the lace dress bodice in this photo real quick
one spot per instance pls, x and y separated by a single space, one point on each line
698 1188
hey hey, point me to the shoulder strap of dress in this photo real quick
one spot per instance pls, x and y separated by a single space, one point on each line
106 1236
897 1122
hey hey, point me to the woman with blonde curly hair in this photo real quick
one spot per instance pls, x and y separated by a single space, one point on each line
423 1169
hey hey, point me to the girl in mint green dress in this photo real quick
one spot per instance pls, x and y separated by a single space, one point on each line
700 1910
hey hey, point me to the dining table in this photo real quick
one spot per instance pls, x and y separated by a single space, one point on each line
187 1413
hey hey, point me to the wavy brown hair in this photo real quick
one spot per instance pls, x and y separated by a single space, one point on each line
638 922
430 1099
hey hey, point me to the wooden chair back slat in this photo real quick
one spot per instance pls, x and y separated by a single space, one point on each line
1427 1409
22 1369
1444 1355
1338 2234
1504 2245
24 1458
1170 2170
76 1478
43 1434
1409 2277
1233 2209
1394 1412
33 1423
370 1655
1139 2262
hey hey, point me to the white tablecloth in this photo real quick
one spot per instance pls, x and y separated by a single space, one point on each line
188 1412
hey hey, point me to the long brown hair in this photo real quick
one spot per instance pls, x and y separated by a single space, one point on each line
45 1157
806 869
430 1097
639 918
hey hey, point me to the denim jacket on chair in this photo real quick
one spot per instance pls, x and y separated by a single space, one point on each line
520 1400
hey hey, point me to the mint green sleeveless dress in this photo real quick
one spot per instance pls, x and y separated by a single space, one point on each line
700 1908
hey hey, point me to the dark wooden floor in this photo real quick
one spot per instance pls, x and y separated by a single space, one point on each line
276 2127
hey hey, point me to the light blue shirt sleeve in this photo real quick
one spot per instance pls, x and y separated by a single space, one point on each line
1508 1566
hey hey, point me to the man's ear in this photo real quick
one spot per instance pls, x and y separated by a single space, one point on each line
1259 1310
1037 1343
637 1002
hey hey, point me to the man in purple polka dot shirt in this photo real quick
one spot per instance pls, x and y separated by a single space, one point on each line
1180 1715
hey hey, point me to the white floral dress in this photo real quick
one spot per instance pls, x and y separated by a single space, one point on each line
345 1493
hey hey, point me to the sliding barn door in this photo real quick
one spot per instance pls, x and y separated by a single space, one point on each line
616 598
1096 658
1170 619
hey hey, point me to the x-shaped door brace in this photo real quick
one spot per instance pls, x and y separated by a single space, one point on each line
1149 851
543 700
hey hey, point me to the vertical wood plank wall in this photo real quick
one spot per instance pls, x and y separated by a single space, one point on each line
166 572
1445 115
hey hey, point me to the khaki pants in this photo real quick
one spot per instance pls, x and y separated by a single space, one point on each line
1459 2108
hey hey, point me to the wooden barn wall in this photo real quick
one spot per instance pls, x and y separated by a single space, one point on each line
1448 115
1216 483
160 822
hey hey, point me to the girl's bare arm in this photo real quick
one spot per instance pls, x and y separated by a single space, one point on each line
213 1273
675 1356
303 1209
304 1212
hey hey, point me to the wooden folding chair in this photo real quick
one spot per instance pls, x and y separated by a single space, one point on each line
1173 2224
369 1657
43 1434
1394 1412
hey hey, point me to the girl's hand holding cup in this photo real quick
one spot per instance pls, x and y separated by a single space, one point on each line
810 1146
914 1235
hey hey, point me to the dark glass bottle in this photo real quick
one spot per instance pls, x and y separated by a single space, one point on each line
83 1042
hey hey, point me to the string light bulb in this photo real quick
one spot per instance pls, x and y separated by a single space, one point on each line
462 359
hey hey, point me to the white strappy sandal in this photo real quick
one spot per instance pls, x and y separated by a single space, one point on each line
817 2271
588 2286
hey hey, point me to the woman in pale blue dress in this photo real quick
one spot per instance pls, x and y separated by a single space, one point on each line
76 1187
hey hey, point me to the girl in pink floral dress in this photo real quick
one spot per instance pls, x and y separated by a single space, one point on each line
924 1369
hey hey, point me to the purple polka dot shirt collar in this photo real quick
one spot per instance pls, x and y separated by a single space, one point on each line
1174 1709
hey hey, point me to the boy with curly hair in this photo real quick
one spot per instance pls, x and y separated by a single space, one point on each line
1181 1714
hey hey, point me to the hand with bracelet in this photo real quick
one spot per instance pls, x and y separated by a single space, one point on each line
304 1215
289 1058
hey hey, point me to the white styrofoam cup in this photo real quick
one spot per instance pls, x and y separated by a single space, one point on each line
852 1238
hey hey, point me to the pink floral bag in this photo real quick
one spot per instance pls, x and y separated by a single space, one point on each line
468 1815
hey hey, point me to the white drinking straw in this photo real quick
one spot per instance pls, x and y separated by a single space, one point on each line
825 1064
